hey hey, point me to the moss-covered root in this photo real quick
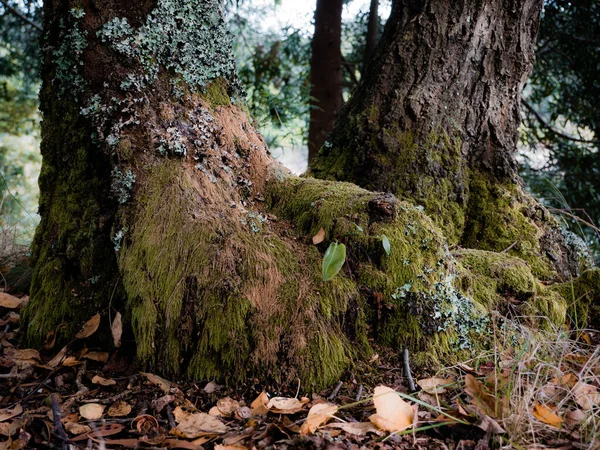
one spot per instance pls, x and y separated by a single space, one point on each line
582 295
506 284
411 298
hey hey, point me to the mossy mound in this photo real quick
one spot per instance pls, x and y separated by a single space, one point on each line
506 284
582 295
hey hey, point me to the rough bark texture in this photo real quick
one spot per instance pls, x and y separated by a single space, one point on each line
435 121
372 32
325 73
159 200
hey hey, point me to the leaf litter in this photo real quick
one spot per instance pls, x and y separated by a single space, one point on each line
91 398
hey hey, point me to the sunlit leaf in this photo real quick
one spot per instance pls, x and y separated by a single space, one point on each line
392 413
386 244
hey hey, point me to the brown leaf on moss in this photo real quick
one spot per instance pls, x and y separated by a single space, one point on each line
319 237
116 329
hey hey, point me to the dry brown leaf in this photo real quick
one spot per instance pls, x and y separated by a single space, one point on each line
356 428
71 361
117 330
89 327
180 415
160 382
586 395
199 424
391 412
159 404
91 411
60 356
318 415
11 428
230 447
10 301
145 424
101 431
481 399
319 237
574 417
23 358
226 407
259 405
77 428
103 381
490 426
435 385
119 409
547 415
6 414
211 387
567 381
285 405
97 356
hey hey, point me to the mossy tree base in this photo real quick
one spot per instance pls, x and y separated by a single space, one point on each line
159 200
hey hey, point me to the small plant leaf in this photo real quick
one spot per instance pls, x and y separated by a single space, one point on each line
386 244
334 259
359 228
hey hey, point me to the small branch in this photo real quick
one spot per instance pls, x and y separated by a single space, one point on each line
359 394
553 130
574 217
58 426
335 391
20 15
407 374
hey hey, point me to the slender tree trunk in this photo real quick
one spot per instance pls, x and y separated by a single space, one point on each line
372 32
159 201
325 73
435 121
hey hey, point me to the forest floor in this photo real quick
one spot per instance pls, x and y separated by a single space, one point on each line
545 397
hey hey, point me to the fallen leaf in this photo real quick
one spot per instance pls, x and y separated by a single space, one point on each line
71 361
489 425
60 356
160 382
198 424
103 381
11 428
119 409
226 407
259 405
229 447
546 415
211 387
435 385
91 411
10 301
101 431
97 356
89 327
159 404
574 417
77 428
319 237
356 428
483 400
6 414
318 415
567 381
23 358
586 395
284 405
145 424
117 330
391 412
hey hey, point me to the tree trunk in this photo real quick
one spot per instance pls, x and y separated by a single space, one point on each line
325 73
372 32
159 200
436 122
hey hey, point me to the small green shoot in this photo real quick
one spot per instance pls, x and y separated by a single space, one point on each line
334 259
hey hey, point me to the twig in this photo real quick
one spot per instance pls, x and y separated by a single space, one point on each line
573 216
58 426
409 378
359 394
20 15
170 416
335 391
553 130
507 249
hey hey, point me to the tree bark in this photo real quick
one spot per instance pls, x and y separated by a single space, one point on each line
372 32
159 200
436 119
325 73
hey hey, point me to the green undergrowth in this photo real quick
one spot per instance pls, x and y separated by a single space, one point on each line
582 295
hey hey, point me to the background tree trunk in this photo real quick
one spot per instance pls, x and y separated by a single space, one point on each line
435 121
372 32
325 73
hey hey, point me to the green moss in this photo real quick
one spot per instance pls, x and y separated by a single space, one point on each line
496 279
216 93
497 221
582 295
